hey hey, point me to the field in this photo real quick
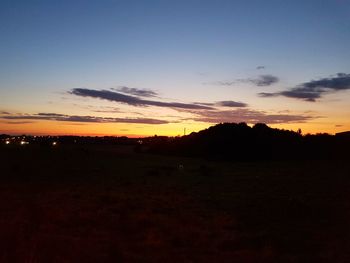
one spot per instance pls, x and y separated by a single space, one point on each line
109 204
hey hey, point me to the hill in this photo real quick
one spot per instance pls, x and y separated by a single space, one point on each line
260 142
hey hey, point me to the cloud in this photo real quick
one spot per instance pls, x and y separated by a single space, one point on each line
248 116
137 92
132 100
4 112
109 111
315 89
98 108
50 115
224 83
225 103
261 81
83 119
230 103
268 94
260 67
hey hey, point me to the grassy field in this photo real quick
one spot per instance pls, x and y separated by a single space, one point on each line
109 204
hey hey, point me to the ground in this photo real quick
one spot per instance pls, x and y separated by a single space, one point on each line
110 204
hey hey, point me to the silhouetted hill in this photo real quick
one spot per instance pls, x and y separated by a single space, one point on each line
346 133
260 142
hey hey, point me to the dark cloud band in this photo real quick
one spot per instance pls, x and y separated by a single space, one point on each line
315 89
137 92
86 119
132 100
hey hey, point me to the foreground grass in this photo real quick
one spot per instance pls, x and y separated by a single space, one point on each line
73 204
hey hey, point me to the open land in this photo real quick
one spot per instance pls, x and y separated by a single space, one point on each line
110 204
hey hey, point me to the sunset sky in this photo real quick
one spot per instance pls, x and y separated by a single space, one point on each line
146 67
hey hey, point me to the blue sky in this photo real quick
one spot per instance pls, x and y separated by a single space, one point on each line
181 49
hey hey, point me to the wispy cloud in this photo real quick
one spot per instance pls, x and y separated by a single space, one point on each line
137 92
223 83
225 103
260 67
314 89
261 81
133 100
248 116
82 119
230 103
51 115
98 108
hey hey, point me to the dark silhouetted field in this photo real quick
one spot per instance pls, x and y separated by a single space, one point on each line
109 204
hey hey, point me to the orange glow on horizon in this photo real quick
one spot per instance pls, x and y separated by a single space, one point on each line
144 130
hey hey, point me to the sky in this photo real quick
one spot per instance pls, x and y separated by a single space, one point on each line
141 68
